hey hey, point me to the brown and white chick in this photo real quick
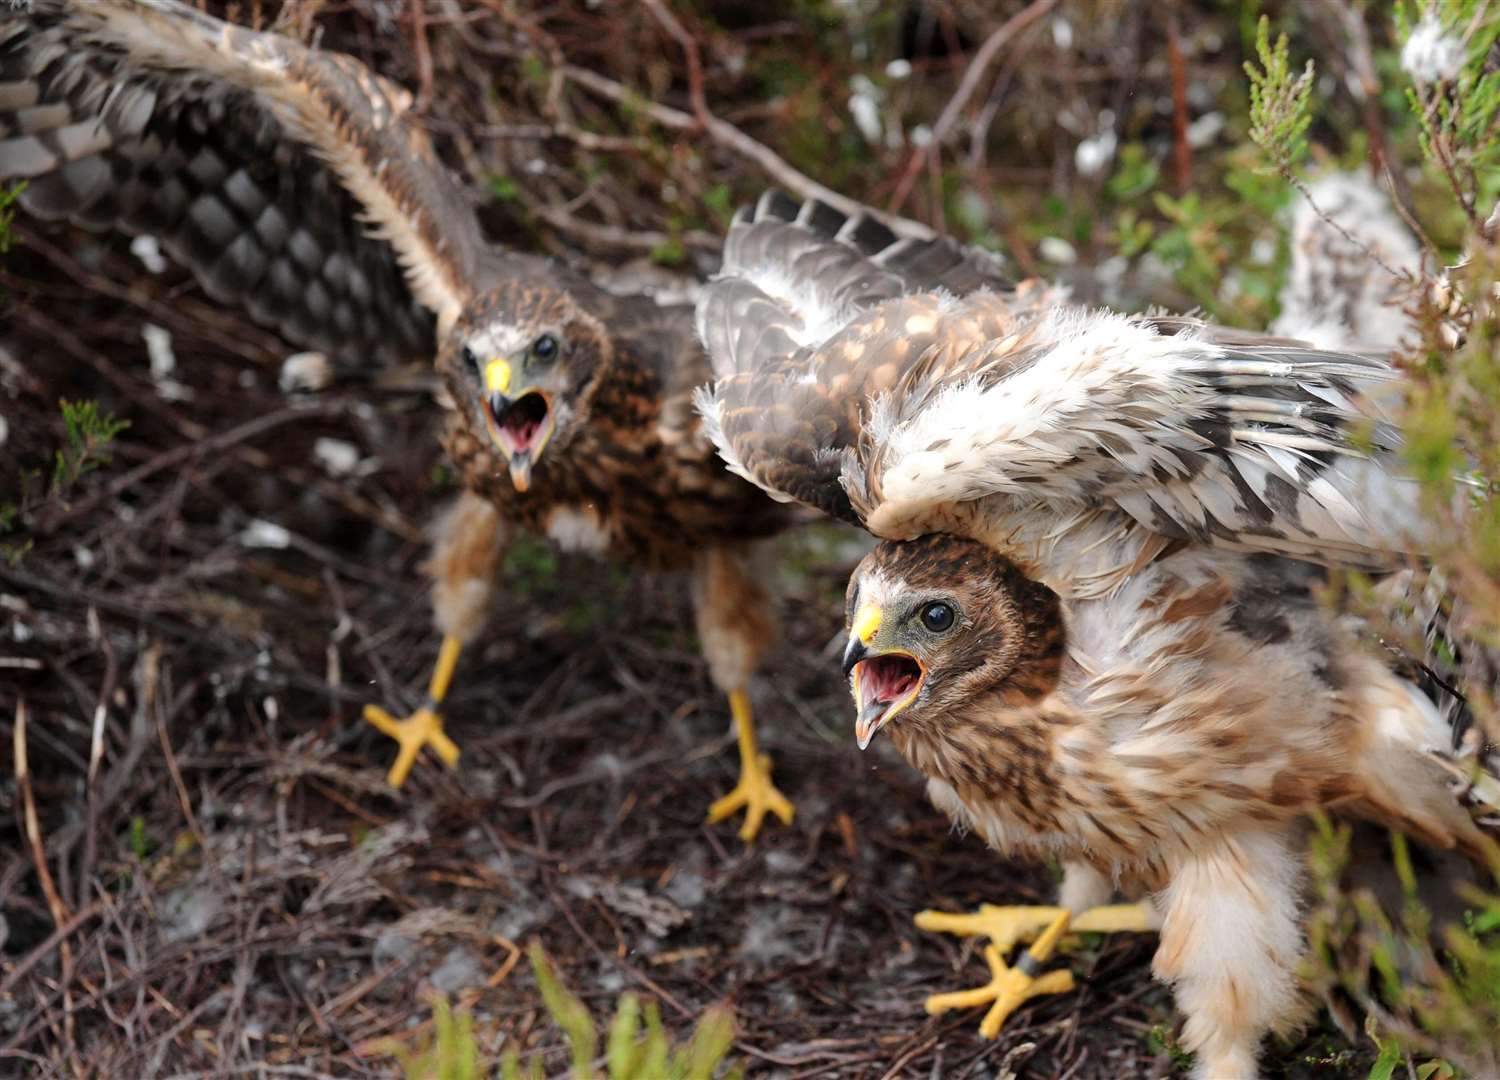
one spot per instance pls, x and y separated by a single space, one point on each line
1092 625
1167 743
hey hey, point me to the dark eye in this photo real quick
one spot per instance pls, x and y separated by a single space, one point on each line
466 354
544 348
937 616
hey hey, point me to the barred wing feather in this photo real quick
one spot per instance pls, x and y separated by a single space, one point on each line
291 181
863 385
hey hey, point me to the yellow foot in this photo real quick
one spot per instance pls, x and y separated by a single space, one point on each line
422 728
1009 986
756 795
1004 926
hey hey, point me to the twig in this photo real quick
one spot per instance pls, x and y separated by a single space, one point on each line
248 430
53 940
613 236
1362 63
1429 249
967 87
61 917
183 799
186 311
732 138
352 996
1442 152
96 754
1182 155
423 49
386 517
630 969
672 26
1333 223
587 140
974 74
130 388
165 1040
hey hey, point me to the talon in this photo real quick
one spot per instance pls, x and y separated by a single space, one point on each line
422 728
1005 926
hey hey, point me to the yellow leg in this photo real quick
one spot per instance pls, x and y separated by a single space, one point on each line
1005 926
1114 918
423 727
754 793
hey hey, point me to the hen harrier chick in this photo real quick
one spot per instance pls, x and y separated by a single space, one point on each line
1086 625
294 184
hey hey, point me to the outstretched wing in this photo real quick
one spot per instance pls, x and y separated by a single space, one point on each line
897 409
813 314
1266 447
289 180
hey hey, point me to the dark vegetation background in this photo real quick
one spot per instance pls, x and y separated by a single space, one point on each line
229 887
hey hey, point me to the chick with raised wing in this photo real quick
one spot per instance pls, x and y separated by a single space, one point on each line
1092 624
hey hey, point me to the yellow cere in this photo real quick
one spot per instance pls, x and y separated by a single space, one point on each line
866 623
497 376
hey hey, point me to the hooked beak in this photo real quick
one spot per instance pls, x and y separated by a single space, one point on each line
520 425
854 652
883 681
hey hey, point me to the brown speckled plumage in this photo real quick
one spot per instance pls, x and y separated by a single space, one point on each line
1062 630
1168 741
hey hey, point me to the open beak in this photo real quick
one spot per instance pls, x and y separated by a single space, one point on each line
519 424
883 682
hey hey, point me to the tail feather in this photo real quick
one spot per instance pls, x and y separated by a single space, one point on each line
1428 768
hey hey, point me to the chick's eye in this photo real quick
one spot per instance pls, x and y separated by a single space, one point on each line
937 616
544 348
466 354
